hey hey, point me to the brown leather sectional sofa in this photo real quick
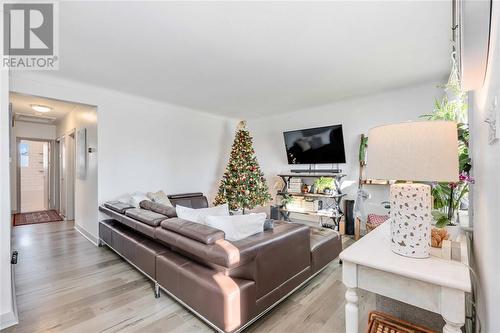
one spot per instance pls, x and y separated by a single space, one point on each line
227 284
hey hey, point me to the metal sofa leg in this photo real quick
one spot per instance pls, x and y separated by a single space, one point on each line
157 290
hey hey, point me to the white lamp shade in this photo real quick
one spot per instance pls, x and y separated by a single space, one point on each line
413 151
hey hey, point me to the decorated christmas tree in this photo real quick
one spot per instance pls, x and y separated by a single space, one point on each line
243 185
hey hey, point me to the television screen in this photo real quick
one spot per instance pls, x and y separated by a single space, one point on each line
315 145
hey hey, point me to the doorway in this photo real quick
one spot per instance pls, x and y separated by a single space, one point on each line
65 134
34 176
66 173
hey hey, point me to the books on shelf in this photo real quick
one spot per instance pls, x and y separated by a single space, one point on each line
300 205
295 185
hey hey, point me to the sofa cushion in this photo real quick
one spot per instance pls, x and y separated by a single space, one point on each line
158 208
226 302
238 227
193 230
146 252
146 216
118 206
199 215
130 222
221 253
326 245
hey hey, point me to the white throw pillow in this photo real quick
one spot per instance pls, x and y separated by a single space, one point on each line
126 198
199 215
136 198
238 227
159 197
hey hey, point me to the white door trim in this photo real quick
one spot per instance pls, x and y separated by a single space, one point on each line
18 170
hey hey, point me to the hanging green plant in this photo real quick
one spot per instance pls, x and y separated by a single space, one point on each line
452 107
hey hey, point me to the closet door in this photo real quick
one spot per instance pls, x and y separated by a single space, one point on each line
62 175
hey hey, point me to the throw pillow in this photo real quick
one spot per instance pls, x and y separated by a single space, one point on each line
126 198
158 208
199 215
159 197
374 221
238 227
136 198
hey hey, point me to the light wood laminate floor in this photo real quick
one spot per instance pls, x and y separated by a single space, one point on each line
64 283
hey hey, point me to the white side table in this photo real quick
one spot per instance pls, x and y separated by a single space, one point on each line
433 284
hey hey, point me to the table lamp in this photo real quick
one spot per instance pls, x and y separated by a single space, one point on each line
423 151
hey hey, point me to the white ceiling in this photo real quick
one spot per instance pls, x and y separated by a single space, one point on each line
249 59
22 110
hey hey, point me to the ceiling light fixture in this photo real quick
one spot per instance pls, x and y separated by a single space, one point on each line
40 108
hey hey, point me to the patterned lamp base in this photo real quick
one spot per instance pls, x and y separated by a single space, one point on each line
411 219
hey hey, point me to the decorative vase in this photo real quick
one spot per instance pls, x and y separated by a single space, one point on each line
453 232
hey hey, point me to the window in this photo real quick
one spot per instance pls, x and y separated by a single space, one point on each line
24 150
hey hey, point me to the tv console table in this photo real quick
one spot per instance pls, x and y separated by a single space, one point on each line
332 208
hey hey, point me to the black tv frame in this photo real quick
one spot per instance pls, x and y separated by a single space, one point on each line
315 163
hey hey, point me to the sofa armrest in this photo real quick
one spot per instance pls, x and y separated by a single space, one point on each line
196 231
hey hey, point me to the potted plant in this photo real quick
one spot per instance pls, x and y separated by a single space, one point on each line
448 196
286 199
324 184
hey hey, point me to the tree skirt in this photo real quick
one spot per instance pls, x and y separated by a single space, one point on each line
37 217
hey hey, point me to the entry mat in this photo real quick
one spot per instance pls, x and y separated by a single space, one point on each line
37 217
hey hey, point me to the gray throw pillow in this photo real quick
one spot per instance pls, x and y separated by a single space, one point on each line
159 197
158 208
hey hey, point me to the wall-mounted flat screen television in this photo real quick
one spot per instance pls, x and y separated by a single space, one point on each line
315 145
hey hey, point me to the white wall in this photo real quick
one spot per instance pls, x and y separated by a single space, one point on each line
29 130
143 145
24 129
85 190
7 307
486 193
356 115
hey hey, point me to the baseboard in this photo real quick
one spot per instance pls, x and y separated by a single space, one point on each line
90 237
10 318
